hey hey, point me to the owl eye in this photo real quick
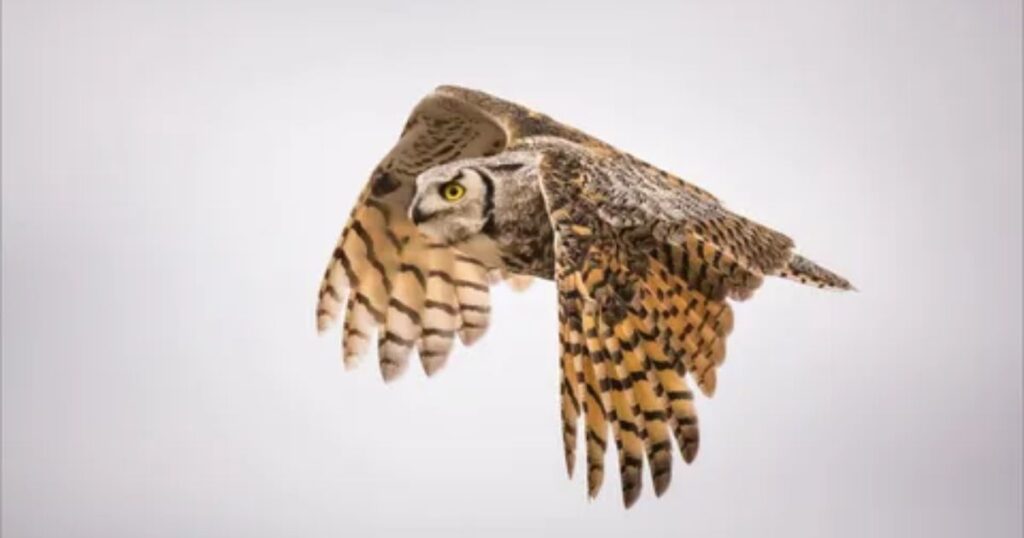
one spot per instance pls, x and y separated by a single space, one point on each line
452 191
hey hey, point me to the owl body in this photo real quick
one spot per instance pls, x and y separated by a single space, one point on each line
644 263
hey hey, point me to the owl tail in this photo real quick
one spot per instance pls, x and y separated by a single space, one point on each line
807 272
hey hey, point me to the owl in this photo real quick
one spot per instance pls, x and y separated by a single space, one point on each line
479 190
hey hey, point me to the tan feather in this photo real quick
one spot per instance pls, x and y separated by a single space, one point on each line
570 349
669 382
404 324
653 407
357 332
628 426
473 294
597 381
441 316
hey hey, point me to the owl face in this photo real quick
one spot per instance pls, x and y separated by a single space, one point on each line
456 201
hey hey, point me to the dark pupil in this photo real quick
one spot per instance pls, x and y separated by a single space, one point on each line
453 191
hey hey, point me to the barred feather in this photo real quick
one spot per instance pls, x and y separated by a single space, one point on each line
572 377
441 318
473 294
650 405
807 272
597 405
407 291
390 282
404 323
638 354
629 427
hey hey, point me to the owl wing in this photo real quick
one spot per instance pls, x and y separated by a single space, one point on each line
644 264
390 280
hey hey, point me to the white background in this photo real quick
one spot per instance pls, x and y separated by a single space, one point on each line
175 175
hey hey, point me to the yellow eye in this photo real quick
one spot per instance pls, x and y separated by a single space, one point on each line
452 191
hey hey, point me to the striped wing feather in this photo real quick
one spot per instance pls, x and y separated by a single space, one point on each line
629 375
390 281
647 295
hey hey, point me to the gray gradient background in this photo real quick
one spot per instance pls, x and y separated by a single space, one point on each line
175 175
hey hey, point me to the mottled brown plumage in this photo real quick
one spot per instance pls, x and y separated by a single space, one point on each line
644 265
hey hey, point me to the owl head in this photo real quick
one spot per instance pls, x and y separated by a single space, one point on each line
458 200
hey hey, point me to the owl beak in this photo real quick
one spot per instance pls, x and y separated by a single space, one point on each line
418 216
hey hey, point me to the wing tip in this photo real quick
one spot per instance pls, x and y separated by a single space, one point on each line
708 383
661 484
631 493
661 470
350 361
595 478
469 337
391 369
432 362
326 314
691 446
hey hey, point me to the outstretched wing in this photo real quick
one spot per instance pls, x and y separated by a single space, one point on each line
644 264
388 279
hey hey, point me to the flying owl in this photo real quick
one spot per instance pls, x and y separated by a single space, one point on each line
479 189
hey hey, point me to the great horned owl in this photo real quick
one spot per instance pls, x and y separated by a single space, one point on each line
478 189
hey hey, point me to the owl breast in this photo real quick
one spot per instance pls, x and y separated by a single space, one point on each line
522 232
528 251
517 237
